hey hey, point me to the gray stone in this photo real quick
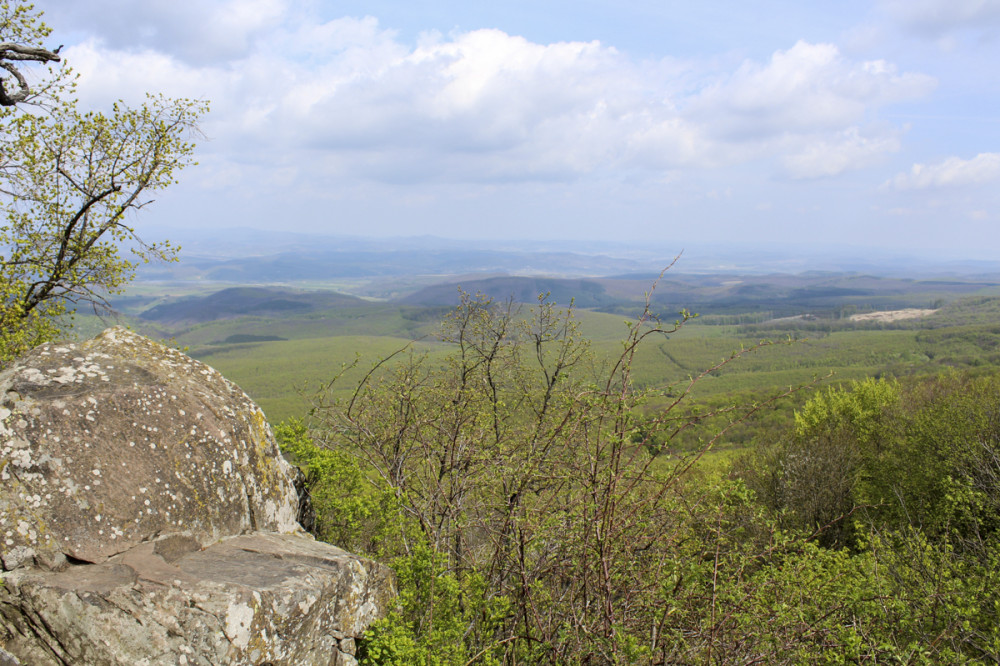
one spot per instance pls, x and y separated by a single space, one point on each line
109 443
260 598
147 517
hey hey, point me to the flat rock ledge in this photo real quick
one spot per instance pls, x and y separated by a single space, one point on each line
254 599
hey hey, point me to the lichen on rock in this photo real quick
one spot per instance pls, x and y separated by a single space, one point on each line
147 517
252 599
107 443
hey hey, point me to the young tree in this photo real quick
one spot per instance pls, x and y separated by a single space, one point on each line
69 182
531 524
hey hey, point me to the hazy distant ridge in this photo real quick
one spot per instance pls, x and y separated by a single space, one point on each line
254 257
246 301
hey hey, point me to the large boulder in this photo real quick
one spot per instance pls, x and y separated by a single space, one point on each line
147 517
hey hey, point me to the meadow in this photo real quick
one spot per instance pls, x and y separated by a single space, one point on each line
282 360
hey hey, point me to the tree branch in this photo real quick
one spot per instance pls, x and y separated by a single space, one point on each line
21 53
61 263
12 51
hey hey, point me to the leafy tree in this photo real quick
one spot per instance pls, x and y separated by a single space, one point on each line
69 184
883 456
861 408
21 32
350 511
833 462
944 477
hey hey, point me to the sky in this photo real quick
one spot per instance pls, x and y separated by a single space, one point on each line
873 125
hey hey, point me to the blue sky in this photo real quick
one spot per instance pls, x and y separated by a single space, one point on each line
867 124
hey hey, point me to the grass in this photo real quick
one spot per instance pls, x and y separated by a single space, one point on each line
281 375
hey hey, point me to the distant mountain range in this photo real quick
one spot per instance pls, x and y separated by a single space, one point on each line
250 256
318 266
583 293
716 293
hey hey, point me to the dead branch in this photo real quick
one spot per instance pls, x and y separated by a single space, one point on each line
10 53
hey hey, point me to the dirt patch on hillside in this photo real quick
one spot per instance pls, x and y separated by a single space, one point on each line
892 315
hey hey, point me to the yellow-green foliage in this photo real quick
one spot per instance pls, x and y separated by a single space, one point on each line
69 179
527 522
513 494
859 406
353 510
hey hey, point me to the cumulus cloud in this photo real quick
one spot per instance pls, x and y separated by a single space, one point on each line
952 172
347 98
107 75
809 87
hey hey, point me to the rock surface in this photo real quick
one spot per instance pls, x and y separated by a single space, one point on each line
108 443
254 599
147 517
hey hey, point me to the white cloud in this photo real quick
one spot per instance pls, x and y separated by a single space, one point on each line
807 88
203 32
107 75
952 172
347 99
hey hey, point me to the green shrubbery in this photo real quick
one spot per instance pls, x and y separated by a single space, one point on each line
512 489
925 455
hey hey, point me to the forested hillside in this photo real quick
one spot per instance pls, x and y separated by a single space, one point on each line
536 510
276 340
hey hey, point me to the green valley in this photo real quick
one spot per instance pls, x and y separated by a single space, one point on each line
279 343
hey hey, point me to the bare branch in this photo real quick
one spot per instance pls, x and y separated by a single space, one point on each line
11 51
21 53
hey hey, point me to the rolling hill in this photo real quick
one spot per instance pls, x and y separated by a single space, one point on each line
246 301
